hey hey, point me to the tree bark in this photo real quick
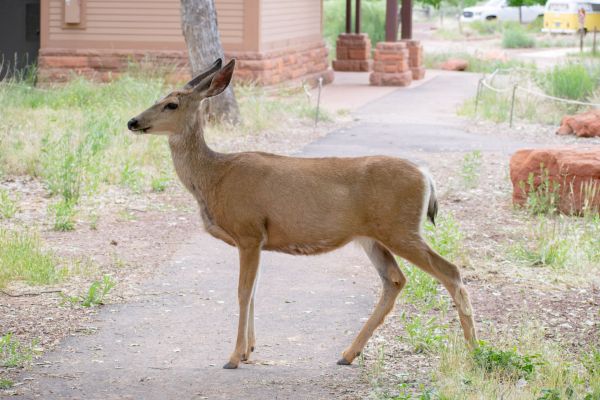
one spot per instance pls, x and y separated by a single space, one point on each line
201 33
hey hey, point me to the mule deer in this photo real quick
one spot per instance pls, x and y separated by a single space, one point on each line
258 201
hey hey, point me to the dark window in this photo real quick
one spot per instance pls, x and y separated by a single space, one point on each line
32 22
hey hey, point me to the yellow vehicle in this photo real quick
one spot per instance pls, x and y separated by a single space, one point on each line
562 16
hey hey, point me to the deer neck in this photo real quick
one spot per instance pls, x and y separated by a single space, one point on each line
195 163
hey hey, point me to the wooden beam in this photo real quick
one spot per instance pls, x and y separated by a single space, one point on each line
406 19
357 17
391 21
348 16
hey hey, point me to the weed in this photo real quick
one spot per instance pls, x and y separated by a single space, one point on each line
506 362
131 177
21 258
470 168
446 237
516 38
159 183
95 295
542 192
93 219
550 245
64 213
425 335
15 354
8 207
6 384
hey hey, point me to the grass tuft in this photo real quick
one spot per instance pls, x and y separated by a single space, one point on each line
21 258
8 207
517 38
14 354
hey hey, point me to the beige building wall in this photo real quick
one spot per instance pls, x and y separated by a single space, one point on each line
134 24
273 40
289 22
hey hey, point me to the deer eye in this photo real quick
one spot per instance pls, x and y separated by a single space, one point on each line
171 106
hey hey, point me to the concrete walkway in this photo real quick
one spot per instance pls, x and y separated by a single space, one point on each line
172 342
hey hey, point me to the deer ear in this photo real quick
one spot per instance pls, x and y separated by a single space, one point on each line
221 79
203 75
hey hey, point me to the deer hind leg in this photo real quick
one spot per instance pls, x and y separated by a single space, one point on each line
420 254
249 261
393 281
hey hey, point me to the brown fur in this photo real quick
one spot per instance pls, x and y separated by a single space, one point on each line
258 201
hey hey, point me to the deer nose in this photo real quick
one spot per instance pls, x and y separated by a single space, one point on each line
132 124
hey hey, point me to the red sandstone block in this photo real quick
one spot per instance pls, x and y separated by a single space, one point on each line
379 56
351 65
394 46
358 54
64 62
395 79
418 73
341 53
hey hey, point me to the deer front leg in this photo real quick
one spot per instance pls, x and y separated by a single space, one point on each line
249 260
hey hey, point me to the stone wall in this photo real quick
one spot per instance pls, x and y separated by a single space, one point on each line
301 62
391 65
353 52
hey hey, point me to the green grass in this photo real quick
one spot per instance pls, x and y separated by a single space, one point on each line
477 63
8 207
64 213
470 168
22 258
570 81
14 354
561 242
6 384
372 20
543 194
527 367
95 295
517 38
425 334
508 362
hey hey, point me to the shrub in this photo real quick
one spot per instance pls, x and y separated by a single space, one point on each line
516 38
372 22
572 81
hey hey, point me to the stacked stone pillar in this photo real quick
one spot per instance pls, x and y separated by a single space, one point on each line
353 52
415 58
391 65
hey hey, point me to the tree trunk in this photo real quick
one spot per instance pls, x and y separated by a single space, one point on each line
520 16
199 25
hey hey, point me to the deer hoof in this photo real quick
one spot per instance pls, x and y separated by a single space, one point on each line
230 365
343 361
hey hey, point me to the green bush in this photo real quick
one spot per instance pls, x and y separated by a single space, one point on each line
517 38
571 81
372 21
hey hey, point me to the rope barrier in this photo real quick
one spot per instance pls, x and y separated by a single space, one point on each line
483 82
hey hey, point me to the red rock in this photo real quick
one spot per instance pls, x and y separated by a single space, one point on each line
455 64
576 170
583 125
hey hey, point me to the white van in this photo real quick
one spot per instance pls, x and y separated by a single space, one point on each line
499 10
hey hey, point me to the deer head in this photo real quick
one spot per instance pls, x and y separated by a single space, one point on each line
168 116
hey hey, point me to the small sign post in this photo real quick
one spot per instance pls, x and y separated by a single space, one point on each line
581 18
